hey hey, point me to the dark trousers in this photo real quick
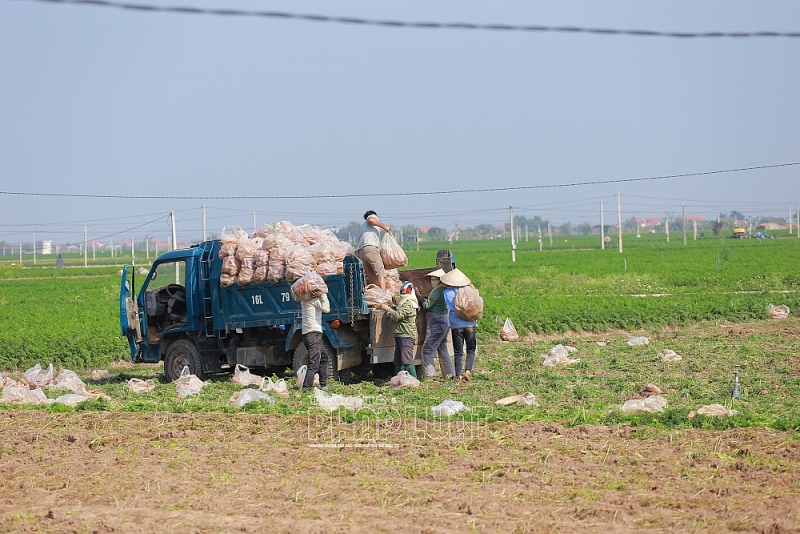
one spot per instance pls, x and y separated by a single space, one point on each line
461 337
404 350
318 359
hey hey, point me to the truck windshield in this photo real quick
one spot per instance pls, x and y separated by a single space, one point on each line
166 274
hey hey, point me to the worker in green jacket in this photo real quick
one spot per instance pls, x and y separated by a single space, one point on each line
438 320
404 319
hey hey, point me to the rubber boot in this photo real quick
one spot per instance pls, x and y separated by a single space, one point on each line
411 370
397 369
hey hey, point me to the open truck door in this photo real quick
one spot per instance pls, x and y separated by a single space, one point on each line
129 315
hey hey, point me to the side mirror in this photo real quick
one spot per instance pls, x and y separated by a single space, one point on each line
155 275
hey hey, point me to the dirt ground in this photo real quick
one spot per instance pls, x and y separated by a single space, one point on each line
129 472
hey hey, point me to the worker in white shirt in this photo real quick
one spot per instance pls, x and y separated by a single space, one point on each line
318 356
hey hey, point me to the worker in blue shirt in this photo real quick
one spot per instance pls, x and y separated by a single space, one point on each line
462 331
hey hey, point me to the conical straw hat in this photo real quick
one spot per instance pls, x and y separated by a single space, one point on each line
436 274
455 278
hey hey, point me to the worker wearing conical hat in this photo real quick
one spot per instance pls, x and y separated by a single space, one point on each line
461 330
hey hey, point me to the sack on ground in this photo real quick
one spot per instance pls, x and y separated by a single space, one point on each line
652 404
524 399
669 355
392 253
188 384
8 381
331 401
69 380
243 377
308 286
448 407
23 394
279 387
71 399
100 374
35 377
558 355
638 341
508 332
137 385
717 410
244 396
301 376
403 379
778 312
468 303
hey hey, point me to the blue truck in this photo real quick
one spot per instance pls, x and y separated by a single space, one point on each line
181 315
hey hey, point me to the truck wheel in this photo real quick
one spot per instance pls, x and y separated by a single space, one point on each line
182 353
300 358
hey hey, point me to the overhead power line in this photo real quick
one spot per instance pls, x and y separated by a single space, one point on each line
403 194
186 10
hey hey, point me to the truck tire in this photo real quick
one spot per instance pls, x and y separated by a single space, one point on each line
182 353
300 358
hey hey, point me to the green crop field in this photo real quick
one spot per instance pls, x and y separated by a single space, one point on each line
70 316
692 299
72 322
576 286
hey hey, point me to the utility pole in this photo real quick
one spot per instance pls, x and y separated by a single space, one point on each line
94 251
133 253
637 225
85 252
513 244
417 239
147 246
526 233
790 220
550 229
540 238
619 220
602 229
34 248
204 227
666 223
683 211
174 246
694 223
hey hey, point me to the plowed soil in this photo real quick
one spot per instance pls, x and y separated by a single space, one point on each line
127 472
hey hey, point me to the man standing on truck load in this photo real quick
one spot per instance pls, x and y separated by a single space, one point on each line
318 356
368 249
404 328
463 331
438 319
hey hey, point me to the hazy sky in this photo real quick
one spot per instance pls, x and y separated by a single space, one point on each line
110 102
